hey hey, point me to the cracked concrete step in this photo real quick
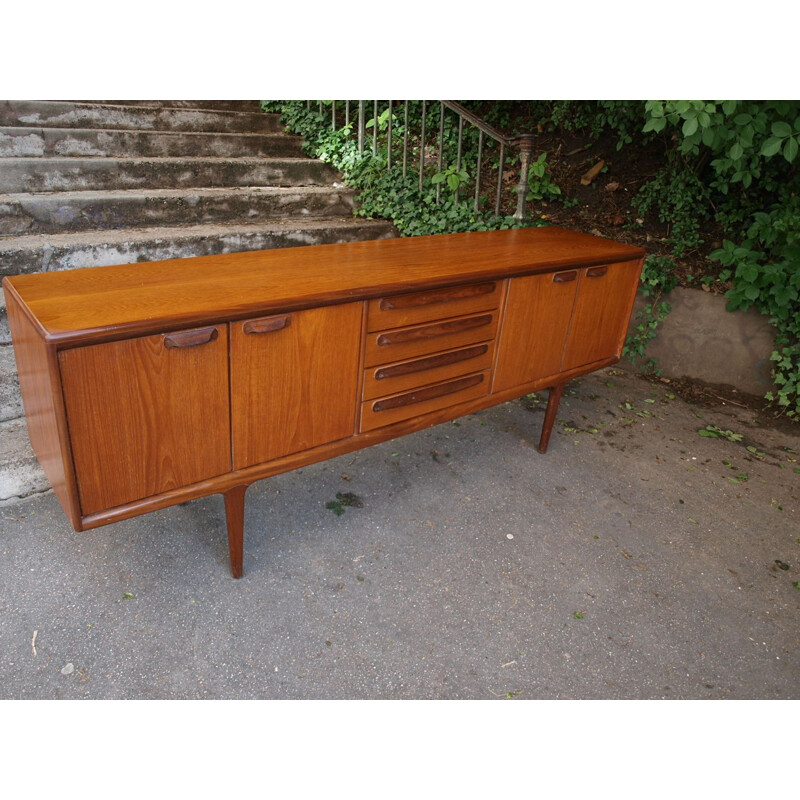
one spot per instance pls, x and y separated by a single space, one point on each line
62 212
20 473
90 174
81 142
26 254
63 114
219 105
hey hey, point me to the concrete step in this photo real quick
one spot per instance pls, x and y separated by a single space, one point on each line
24 254
10 400
16 142
62 114
251 106
20 473
91 174
63 212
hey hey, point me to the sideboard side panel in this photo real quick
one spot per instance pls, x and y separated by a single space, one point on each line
42 401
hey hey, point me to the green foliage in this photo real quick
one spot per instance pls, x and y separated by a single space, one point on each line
765 269
386 192
453 176
658 278
540 182
678 198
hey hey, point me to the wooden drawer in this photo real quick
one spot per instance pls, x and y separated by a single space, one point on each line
403 375
434 304
415 403
386 347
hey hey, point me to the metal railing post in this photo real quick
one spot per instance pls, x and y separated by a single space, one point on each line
526 141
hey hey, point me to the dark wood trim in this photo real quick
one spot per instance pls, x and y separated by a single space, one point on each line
267 324
428 297
430 362
432 331
428 393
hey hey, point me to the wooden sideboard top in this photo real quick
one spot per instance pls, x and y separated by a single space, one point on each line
98 303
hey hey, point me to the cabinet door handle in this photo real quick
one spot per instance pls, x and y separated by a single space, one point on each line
565 277
596 272
190 338
267 324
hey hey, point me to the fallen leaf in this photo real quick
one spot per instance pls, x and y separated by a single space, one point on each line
591 174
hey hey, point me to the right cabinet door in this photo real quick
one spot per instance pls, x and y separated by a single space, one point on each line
602 311
558 321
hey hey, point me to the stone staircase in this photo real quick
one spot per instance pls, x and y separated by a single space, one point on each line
84 184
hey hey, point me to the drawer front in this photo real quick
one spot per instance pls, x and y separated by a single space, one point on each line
386 347
406 405
434 304
403 375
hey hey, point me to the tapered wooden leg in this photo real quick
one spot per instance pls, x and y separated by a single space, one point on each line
234 514
550 416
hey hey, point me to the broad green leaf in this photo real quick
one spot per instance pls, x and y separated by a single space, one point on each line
771 147
736 151
782 129
790 149
729 106
689 127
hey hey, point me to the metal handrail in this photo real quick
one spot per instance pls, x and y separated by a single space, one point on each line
523 144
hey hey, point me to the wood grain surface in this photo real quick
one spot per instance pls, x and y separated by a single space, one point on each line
106 302
145 418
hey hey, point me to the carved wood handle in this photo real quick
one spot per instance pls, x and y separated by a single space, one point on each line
436 296
267 324
432 331
420 395
431 362
565 277
190 338
596 272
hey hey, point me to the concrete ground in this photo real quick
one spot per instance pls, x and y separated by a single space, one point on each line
637 559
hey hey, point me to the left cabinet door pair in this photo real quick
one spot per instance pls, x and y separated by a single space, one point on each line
155 413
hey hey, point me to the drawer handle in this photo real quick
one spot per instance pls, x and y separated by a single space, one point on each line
432 331
190 338
432 297
420 395
267 324
565 277
596 272
431 362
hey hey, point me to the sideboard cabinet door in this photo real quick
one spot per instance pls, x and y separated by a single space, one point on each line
602 312
293 381
147 415
535 325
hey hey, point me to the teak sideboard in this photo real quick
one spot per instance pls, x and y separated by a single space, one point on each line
146 385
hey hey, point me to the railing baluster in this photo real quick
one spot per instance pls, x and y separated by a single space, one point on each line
361 123
441 151
422 146
458 159
525 151
405 140
478 176
500 178
333 115
389 138
346 113
375 130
